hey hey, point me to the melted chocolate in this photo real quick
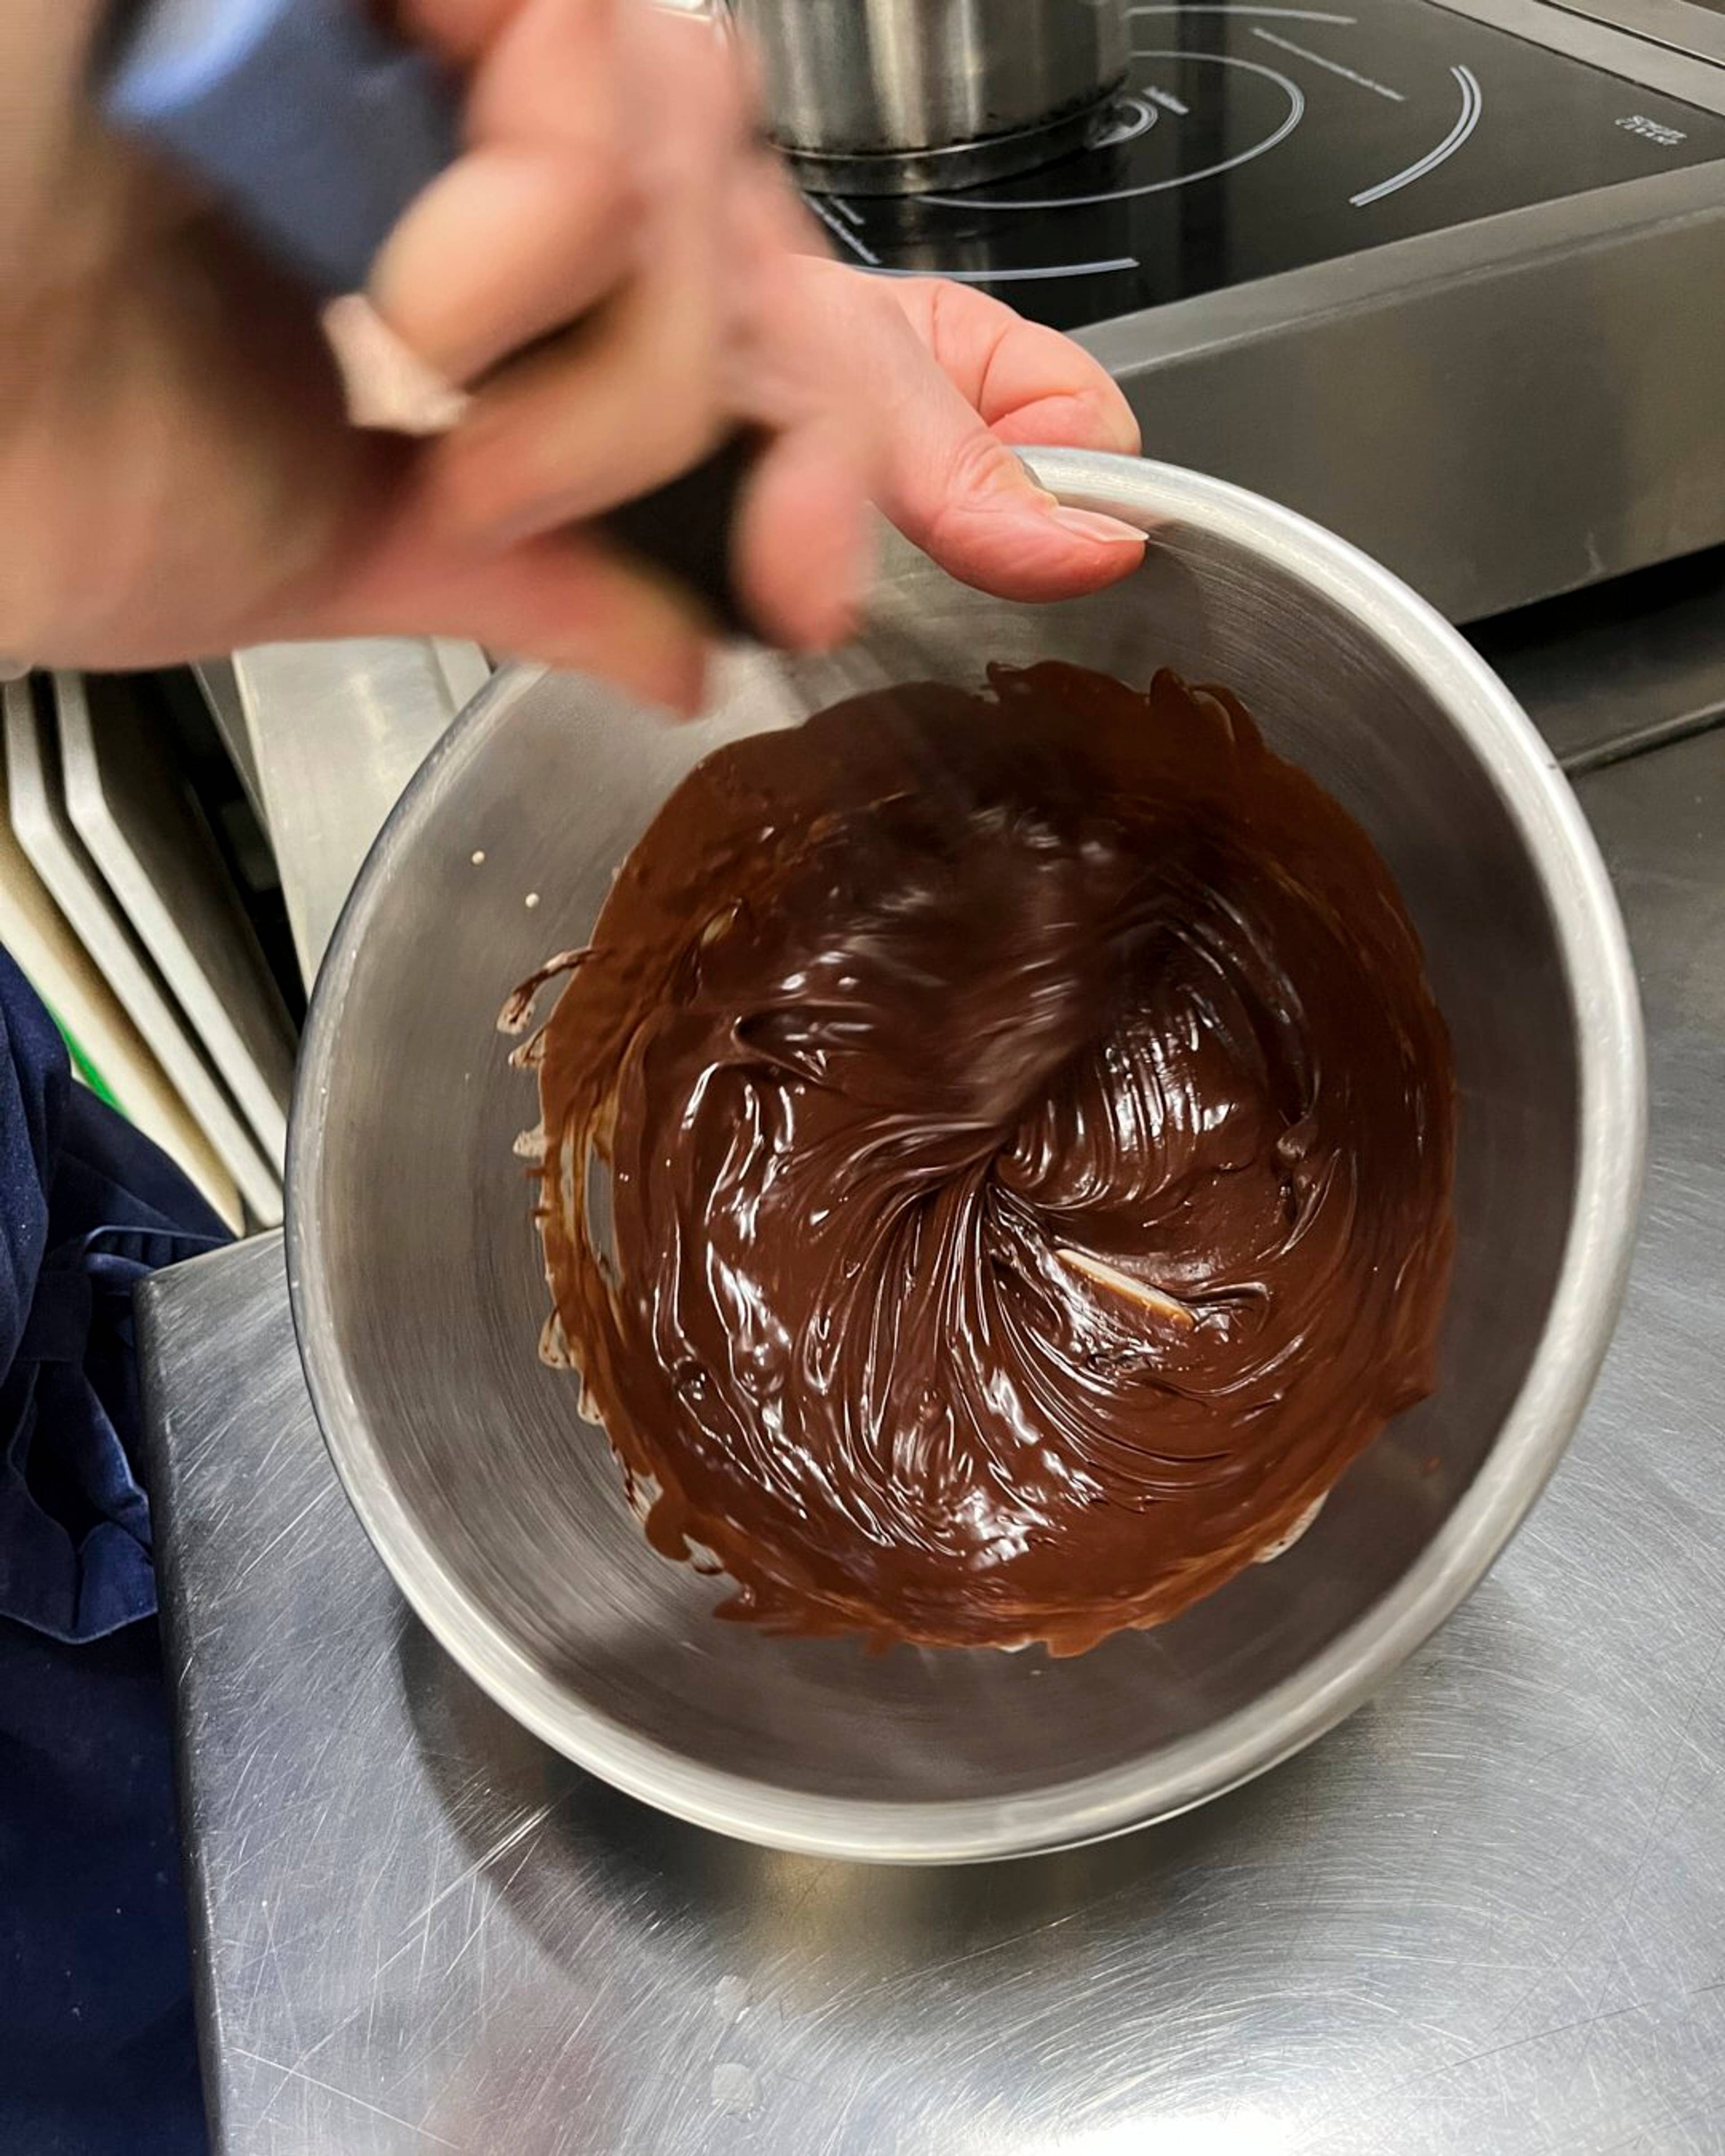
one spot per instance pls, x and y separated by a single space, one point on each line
999 1211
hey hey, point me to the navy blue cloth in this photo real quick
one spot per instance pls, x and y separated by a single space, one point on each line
97 2053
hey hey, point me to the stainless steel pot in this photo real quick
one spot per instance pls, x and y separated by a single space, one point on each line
902 96
419 1299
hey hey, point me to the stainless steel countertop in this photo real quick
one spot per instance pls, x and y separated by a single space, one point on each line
1486 1918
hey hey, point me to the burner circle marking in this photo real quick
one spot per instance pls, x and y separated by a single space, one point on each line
1472 104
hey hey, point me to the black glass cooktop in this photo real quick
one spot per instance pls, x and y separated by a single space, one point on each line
1258 139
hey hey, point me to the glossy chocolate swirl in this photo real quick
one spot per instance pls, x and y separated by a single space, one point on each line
996 1209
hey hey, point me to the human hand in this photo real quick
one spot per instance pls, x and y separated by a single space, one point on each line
177 477
953 378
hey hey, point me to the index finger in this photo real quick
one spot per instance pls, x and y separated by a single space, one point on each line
538 219
569 115
460 31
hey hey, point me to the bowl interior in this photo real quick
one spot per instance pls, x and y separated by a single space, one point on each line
417 1274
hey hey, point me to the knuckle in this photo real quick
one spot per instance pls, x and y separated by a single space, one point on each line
980 463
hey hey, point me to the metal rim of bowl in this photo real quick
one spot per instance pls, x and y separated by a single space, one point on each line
1595 957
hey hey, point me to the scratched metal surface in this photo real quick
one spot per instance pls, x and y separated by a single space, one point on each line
1487 1917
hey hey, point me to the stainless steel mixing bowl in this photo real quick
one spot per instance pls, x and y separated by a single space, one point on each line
417 1295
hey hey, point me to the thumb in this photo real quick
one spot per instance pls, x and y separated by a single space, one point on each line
956 490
